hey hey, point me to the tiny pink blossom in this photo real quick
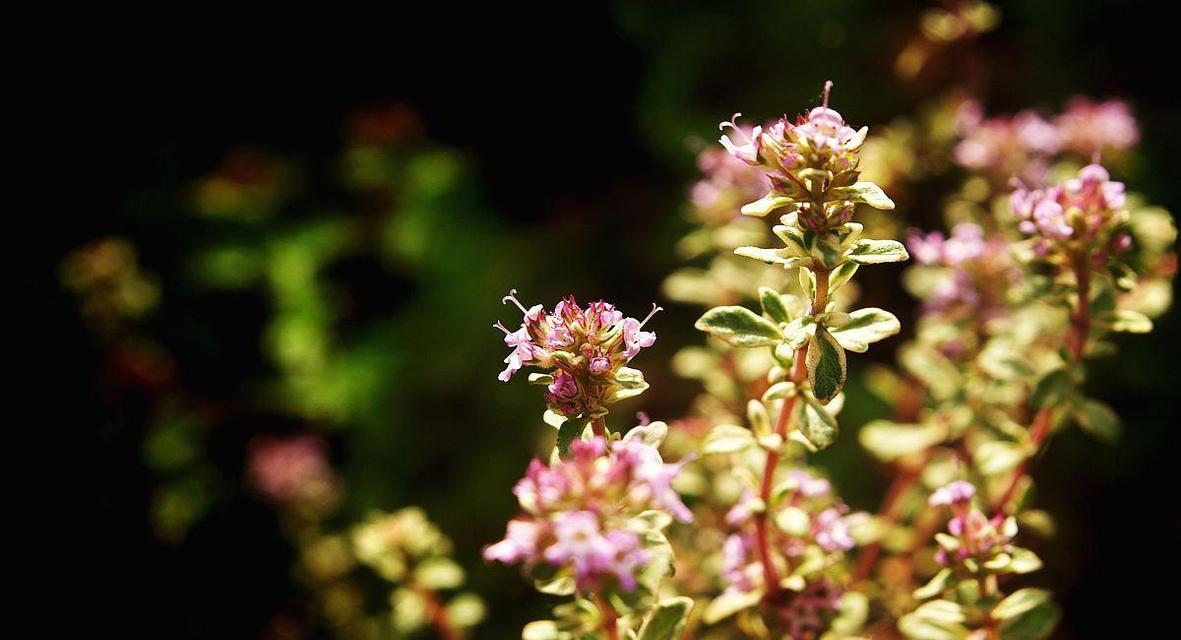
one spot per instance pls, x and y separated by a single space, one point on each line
956 492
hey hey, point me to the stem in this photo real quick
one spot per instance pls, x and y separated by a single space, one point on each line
438 616
783 428
890 505
599 427
1076 343
610 617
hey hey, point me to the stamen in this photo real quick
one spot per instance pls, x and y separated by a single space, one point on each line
500 326
511 297
1095 157
650 314
827 90
733 123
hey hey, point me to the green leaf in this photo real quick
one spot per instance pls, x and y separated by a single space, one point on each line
544 379
866 192
1024 561
772 256
1034 624
793 521
739 326
1051 389
841 275
877 252
728 438
826 366
1129 321
865 327
773 305
888 441
728 604
798 331
998 456
651 434
541 630
553 418
935 620
439 573
466 610
561 585
934 586
667 621
568 432
1099 420
817 424
631 384
780 391
1019 602
765 205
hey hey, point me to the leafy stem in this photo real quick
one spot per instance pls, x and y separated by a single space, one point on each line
782 429
1076 343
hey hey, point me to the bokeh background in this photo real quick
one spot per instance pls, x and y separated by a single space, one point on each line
292 279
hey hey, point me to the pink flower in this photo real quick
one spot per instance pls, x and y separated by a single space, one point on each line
1088 127
807 485
580 543
831 531
748 143
957 492
736 565
293 471
519 544
634 338
652 478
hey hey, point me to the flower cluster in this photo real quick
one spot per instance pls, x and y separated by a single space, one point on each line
802 160
976 545
1088 127
583 352
806 515
727 183
580 513
1075 213
963 274
990 143
1022 144
293 471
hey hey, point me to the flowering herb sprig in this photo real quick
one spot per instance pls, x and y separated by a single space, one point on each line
963 599
583 355
593 518
1031 281
812 165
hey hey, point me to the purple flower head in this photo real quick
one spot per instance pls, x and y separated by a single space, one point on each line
742 510
1088 127
293 471
808 485
736 563
652 478
926 248
958 492
831 531
581 544
519 544
634 338
746 143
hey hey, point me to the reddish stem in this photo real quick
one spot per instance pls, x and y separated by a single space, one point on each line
1076 343
783 428
438 616
599 427
610 617
889 512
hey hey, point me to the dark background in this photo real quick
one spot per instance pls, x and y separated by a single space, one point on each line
575 121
